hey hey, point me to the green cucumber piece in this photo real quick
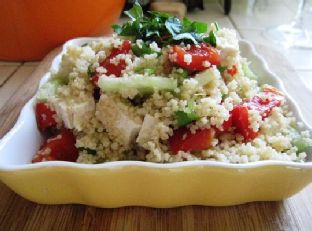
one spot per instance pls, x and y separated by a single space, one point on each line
143 85
247 71
302 144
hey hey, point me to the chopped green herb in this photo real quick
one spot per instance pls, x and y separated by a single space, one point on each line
146 71
184 73
135 12
84 45
140 51
139 70
149 71
88 150
224 96
186 116
90 71
162 28
221 69
199 27
211 39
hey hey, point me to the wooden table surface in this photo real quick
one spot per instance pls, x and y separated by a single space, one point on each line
18 84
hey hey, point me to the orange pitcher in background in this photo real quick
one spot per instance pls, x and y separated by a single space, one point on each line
29 29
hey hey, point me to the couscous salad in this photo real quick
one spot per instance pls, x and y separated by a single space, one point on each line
163 90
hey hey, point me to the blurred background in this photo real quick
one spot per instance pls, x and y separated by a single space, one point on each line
29 30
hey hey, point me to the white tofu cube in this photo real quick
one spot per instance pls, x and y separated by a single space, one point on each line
116 122
147 128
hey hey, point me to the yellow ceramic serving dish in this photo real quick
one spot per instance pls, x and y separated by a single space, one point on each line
124 183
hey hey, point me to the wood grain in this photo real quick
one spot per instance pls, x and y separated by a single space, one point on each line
17 213
23 89
5 72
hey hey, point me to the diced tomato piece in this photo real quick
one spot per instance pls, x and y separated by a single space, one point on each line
199 53
111 68
60 147
241 122
123 49
227 124
184 140
232 71
264 104
41 158
45 116
261 103
95 79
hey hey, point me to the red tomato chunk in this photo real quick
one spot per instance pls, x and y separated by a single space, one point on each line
95 79
239 115
232 71
45 116
241 123
59 147
264 106
111 68
184 140
199 55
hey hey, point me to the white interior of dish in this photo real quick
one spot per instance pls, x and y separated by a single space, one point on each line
19 145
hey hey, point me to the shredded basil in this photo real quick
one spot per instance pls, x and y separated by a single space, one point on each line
140 51
221 69
186 116
90 71
88 150
163 28
211 39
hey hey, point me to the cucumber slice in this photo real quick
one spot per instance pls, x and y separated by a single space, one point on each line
144 85
49 88
247 71
302 144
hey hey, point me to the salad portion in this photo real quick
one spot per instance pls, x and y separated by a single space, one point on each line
163 90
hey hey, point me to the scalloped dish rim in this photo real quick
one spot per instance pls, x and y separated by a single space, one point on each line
117 164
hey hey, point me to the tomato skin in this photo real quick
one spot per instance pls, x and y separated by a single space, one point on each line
260 103
42 158
199 54
232 71
111 68
59 147
95 79
264 106
45 116
241 123
200 140
226 124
